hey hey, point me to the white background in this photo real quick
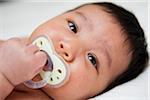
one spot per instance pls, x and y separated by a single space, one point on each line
21 18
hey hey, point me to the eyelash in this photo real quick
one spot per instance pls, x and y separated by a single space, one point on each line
92 59
73 27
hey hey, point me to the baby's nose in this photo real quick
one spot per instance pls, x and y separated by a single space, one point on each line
66 51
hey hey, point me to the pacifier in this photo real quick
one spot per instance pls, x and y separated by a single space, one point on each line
56 71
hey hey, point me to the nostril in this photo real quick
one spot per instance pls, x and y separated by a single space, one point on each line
66 55
61 46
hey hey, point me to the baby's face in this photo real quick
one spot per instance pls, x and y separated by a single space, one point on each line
91 43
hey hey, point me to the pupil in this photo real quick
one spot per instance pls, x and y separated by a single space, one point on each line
72 27
92 59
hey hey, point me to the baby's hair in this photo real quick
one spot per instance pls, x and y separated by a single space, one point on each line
135 36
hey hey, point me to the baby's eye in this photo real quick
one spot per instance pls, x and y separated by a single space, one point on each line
72 26
92 59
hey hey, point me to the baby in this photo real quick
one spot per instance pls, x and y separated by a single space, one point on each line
102 44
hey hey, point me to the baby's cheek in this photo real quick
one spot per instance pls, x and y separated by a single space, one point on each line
82 82
67 89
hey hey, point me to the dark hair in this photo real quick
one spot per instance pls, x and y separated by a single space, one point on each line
135 36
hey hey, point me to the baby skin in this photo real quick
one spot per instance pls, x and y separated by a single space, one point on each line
91 42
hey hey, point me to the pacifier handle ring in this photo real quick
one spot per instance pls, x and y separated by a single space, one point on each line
36 85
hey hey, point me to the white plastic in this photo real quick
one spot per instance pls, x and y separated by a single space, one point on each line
58 76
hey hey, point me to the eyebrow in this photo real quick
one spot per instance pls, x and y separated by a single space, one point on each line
108 57
106 47
107 53
81 15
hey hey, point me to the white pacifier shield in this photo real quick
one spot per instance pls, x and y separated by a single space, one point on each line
60 72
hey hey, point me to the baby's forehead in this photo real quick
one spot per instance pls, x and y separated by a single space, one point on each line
84 8
99 24
92 11
98 20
